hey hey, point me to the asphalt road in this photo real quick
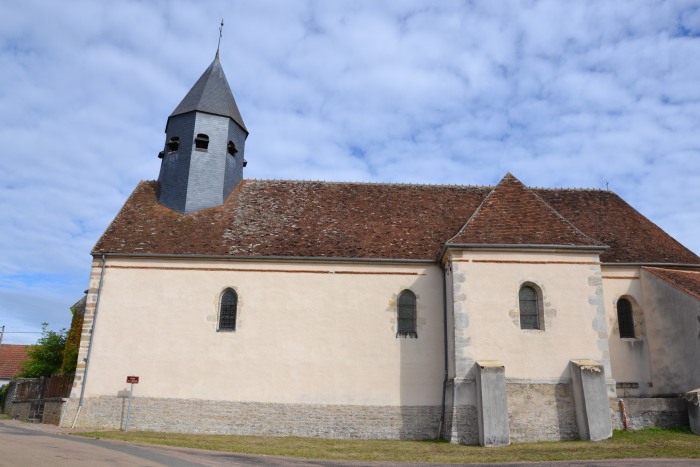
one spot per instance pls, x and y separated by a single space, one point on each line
20 446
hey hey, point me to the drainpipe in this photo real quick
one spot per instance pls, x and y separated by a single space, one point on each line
92 333
444 325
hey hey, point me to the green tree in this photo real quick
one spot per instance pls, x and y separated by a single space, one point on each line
46 356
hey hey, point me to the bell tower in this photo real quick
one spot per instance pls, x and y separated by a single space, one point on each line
202 161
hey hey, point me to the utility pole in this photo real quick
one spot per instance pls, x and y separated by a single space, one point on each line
2 331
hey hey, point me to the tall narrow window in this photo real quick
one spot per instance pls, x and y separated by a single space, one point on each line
625 320
407 314
227 310
529 308
201 142
231 148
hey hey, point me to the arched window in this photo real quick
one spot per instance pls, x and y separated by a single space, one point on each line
530 306
625 320
201 142
227 310
406 314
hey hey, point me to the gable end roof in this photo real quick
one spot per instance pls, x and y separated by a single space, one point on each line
512 214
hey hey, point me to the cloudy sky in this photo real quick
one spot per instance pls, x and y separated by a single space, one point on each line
560 93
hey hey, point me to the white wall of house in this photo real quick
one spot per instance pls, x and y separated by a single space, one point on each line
307 333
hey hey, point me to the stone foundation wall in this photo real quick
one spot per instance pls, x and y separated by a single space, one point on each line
541 412
52 411
18 409
447 426
221 417
537 412
644 412
465 425
53 408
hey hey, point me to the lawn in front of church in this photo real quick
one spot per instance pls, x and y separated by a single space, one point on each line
647 443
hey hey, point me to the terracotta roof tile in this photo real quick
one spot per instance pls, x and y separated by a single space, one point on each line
513 215
11 359
603 215
687 281
293 218
367 220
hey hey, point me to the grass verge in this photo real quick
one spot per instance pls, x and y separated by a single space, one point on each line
647 443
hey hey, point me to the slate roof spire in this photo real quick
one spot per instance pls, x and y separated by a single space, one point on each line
204 152
211 94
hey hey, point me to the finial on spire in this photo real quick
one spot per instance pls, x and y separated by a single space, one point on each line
219 44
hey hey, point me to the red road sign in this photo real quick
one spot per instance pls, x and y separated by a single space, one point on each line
132 379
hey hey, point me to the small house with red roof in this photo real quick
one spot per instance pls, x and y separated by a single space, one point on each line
11 359
481 314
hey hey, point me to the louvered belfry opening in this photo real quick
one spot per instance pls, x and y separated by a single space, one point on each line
201 142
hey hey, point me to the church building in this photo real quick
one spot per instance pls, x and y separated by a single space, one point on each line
481 314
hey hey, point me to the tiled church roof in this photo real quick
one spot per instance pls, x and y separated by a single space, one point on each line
387 221
513 215
294 218
605 216
687 281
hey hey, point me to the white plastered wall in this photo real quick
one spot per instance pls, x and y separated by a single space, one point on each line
307 333
629 357
486 286
673 320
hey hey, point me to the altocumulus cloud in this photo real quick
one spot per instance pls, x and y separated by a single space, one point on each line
572 94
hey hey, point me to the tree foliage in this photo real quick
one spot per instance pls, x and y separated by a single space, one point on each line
70 354
46 356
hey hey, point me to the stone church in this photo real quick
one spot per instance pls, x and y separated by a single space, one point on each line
481 314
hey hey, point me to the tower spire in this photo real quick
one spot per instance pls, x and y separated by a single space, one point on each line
221 27
203 157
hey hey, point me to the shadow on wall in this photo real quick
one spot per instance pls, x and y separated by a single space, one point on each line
565 407
124 396
421 359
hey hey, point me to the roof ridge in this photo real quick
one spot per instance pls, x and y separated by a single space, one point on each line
342 182
572 189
